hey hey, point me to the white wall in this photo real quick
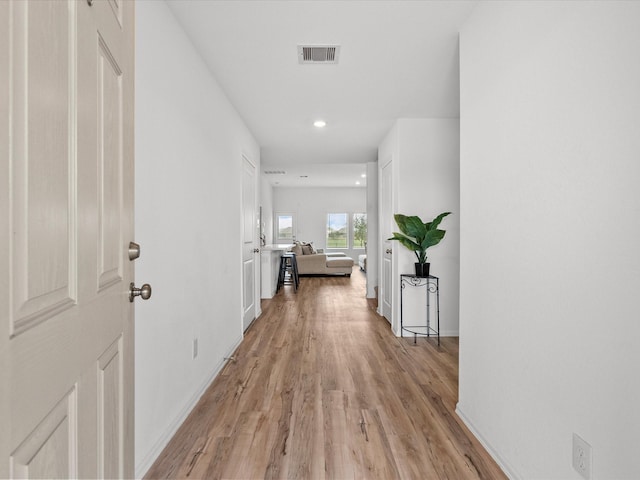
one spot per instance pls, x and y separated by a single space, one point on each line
429 184
426 174
189 146
550 271
311 206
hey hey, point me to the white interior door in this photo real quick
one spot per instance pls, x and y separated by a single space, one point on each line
386 229
249 243
66 216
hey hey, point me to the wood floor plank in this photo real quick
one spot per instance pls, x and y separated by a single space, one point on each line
321 389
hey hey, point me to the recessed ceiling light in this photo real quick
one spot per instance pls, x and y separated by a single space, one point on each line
357 183
319 123
364 175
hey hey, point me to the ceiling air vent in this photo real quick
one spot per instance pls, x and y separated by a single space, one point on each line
318 53
274 172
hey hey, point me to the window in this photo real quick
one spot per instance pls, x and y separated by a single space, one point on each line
337 230
359 230
285 232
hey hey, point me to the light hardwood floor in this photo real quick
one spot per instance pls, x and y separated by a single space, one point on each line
321 389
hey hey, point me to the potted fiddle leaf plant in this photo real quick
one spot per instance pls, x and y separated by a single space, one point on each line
418 236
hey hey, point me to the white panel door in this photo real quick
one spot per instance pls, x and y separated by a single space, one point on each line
386 231
66 217
249 243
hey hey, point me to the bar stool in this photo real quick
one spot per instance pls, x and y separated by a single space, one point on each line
288 269
281 273
293 268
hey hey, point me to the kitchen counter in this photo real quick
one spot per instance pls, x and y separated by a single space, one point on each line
270 266
278 247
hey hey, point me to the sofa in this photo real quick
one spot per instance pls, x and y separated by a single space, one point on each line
362 262
322 263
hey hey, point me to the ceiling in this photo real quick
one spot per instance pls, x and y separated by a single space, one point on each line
398 59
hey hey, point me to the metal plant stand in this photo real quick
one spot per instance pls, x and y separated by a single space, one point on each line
432 293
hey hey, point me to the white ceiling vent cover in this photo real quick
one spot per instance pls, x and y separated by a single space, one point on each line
274 172
318 54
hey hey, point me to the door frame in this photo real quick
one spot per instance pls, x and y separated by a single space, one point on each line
256 241
387 162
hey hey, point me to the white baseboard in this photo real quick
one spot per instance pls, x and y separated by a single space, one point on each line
153 454
449 333
508 470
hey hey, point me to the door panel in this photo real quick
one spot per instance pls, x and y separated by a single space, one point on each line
388 282
110 384
66 329
41 117
109 165
49 451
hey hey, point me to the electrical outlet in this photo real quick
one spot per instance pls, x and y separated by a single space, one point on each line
581 457
195 348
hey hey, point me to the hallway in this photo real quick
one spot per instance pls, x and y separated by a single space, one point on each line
320 388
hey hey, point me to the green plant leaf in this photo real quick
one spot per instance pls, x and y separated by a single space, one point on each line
406 241
401 221
415 228
436 221
432 238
